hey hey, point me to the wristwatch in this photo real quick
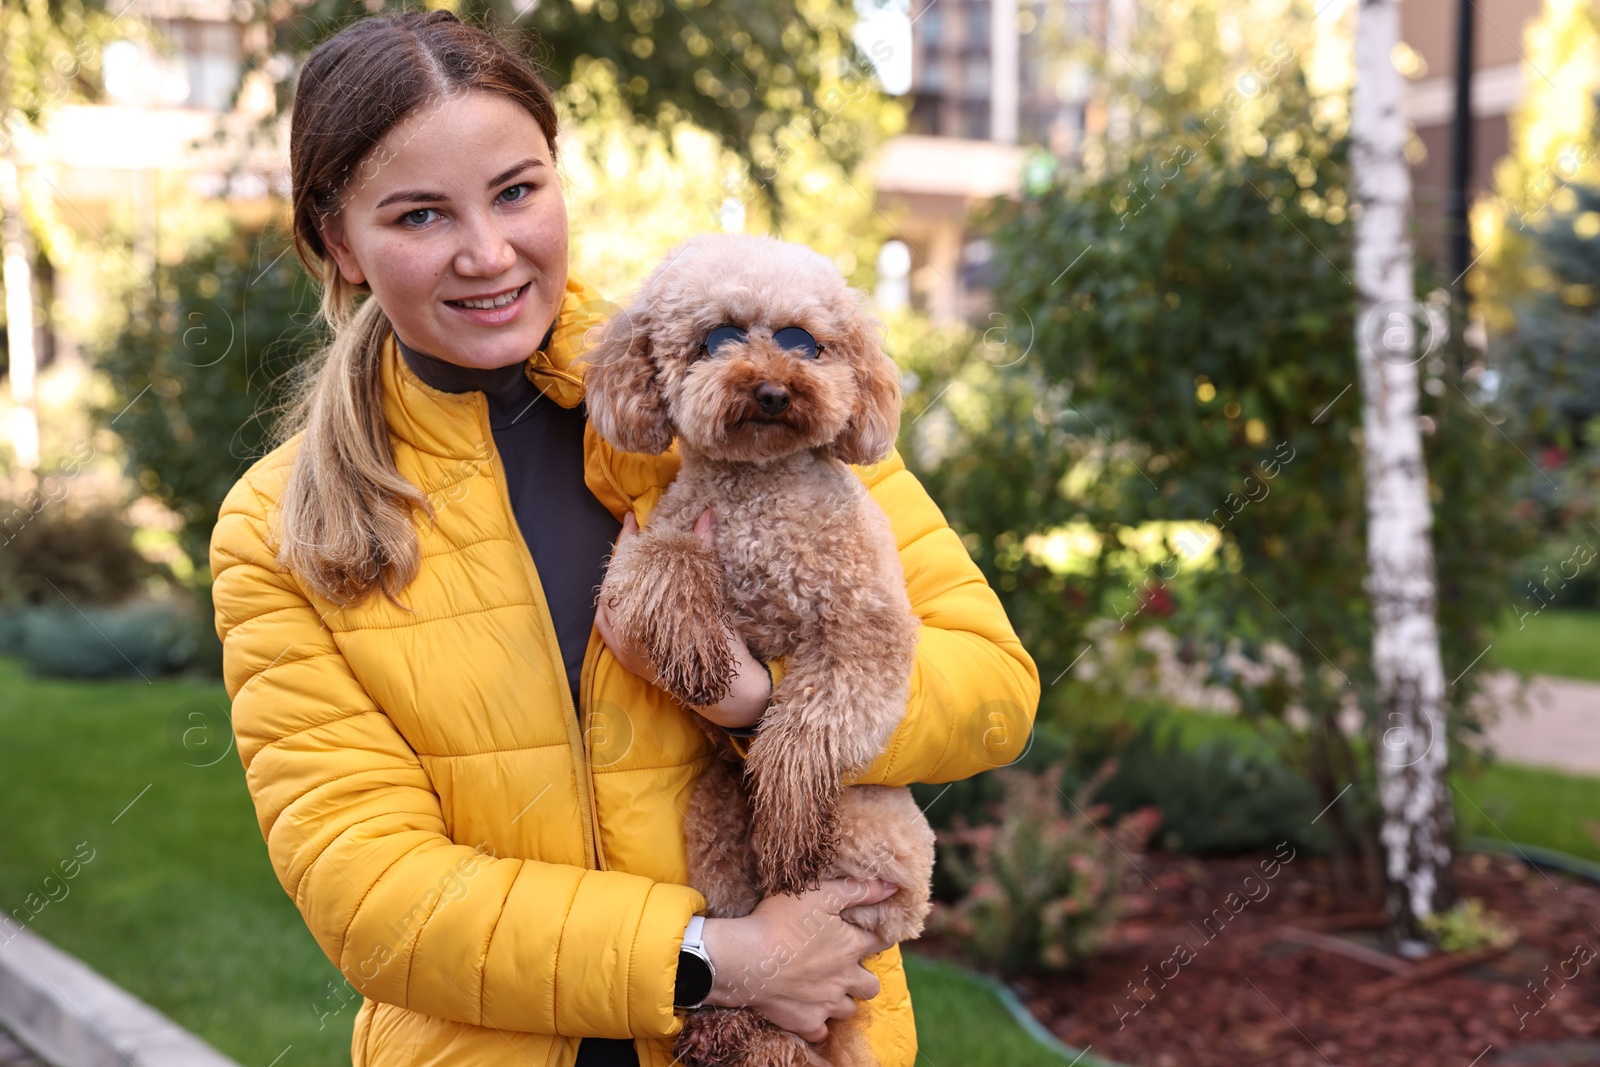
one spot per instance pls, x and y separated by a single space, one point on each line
695 973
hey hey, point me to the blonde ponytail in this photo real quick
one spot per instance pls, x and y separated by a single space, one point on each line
344 521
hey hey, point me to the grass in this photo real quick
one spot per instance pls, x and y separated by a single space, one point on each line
1532 806
1562 643
961 1021
179 904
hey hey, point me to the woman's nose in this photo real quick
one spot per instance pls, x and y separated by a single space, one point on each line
484 252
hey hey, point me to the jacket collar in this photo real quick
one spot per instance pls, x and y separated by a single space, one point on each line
455 426
452 424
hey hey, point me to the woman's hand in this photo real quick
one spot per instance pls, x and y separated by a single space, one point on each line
752 687
794 961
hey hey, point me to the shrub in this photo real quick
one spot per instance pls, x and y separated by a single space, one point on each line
1215 798
1219 795
1467 926
55 549
145 638
1042 882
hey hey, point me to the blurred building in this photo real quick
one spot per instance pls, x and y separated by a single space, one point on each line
1499 70
173 121
994 91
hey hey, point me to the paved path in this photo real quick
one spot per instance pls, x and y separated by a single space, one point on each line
1559 728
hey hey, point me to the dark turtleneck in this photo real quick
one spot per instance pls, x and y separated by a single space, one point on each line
568 532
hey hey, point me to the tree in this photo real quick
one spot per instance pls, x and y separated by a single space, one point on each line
200 368
1170 343
1413 751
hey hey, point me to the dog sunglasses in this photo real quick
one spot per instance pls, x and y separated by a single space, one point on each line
791 339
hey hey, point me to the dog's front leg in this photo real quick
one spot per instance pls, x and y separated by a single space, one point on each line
835 709
664 591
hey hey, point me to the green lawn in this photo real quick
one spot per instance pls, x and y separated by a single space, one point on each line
1535 807
961 1021
1563 643
179 903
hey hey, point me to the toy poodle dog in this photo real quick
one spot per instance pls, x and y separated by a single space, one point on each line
757 357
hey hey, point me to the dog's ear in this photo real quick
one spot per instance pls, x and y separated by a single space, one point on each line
870 433
622 389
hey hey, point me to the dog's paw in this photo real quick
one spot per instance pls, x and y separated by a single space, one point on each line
794 853
694 662
665 595
735 1037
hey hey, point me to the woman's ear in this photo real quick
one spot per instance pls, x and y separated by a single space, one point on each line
869 434
331 227
621 388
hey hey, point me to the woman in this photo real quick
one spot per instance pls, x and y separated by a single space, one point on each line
468 789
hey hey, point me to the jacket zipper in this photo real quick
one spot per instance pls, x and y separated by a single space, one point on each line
586 684
575 736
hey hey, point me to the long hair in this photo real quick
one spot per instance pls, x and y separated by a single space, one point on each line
344 522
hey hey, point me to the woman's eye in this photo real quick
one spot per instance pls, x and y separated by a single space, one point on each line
516 192
419 217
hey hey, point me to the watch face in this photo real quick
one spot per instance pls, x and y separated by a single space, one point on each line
694 980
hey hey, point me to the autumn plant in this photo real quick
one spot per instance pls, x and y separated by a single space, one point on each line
1041 884
1467 927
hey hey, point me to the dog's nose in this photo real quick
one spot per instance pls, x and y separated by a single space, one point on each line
772 398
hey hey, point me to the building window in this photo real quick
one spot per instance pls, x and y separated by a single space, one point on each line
976 81
978 25
975 119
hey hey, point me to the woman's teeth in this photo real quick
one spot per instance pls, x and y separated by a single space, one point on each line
491 302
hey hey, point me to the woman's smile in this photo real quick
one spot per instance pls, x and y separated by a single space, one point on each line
493 309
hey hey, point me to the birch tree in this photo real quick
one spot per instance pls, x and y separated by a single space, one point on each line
1411 751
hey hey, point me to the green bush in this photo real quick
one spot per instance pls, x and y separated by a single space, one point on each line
146 638
1220 791
1041 883
1215 798
55 550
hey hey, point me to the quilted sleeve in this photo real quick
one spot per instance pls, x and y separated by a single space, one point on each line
356 835
974 689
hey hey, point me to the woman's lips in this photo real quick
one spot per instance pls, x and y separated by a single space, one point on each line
496 316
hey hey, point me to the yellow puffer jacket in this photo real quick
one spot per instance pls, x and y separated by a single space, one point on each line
498 872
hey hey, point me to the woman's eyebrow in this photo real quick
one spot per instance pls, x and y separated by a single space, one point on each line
422 196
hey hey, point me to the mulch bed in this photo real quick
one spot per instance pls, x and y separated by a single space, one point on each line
1242 991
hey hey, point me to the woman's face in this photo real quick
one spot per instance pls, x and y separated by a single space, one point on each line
456 222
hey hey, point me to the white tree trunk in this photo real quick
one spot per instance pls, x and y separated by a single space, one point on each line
1417 815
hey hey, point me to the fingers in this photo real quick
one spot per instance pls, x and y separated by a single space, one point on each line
630 527
865 985
871 944
849 892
